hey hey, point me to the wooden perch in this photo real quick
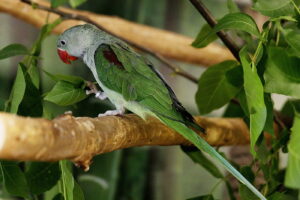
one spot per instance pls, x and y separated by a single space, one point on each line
80 138
166 43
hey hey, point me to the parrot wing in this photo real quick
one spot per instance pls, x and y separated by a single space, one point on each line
126 72
121 69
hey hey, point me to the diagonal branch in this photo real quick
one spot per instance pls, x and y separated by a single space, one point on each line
165 43
81 138
177 70
212 22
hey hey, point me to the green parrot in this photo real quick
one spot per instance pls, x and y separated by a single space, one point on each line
129 81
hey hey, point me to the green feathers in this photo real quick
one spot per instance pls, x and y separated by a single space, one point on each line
122 70
127 73
130 81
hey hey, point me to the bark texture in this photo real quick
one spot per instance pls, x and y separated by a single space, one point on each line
80 138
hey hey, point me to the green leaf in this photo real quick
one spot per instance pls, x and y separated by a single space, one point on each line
247 172
289 107
31 104
204 197
14 179
34 74
75 3
292 37
59 196
102 180
243 102
2 104
56 3
42 176
292 176
280 196
235 76
237 21
274 8
214 88
282 141
262 152
13 50
255 99
282 73
269 128
65 93
232 7
18 90
244 192
76 80
133 169
204 37
198 157
67 181
233 110
37 46
77 192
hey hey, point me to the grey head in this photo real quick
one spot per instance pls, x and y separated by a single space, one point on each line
75 41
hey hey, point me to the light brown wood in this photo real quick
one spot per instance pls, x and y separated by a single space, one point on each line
166 43
80 138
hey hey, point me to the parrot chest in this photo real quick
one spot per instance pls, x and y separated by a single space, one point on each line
116 98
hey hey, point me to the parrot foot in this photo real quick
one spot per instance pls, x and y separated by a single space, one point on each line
98 94
119 111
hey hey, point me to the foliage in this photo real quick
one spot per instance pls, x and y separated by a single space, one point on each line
270 67
73 3
267 64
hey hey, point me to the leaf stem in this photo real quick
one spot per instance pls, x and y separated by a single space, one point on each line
295 6
259 47
277 37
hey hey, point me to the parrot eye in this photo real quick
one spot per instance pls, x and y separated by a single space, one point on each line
62 42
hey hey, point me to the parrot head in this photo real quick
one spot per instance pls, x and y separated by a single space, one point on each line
74 42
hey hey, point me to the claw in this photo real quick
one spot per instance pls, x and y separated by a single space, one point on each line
100 95
119 111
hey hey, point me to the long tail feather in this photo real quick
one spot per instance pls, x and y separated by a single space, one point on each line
204 146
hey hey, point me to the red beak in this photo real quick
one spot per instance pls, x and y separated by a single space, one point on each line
65 57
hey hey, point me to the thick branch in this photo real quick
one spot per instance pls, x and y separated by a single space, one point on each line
80 138
165 43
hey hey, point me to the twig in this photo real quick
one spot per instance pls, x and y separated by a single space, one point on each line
212 22
177 70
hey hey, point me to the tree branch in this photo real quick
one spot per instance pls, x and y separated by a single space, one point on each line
81 138
164 43
212 22
69 16
65 15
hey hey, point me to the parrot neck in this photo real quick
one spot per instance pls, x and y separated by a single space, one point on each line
89 59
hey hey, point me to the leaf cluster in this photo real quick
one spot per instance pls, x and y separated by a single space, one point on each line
31 179
268 64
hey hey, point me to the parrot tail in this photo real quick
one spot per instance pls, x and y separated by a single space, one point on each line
201 144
